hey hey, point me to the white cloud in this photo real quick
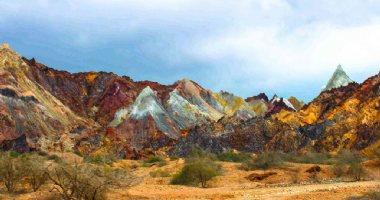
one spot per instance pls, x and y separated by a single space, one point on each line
309 50
258 43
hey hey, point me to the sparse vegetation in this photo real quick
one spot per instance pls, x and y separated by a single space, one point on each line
12 170
54 158
159 173
77 152
100 158
350 164
84 181
375 154
231 156
154 161
311 158
198 171
173 158
263 161
199 168
36 171
199 153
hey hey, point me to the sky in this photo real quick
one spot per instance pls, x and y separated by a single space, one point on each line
283 47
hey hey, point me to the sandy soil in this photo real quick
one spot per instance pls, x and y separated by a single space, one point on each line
232 185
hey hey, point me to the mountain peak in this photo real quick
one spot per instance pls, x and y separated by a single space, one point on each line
338 79
339 68
5 46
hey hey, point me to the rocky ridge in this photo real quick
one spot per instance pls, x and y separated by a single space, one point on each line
45 109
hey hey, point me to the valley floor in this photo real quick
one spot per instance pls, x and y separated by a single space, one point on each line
233 184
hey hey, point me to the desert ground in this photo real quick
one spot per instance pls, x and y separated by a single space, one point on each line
291 181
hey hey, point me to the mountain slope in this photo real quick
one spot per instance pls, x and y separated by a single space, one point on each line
31 117
344 117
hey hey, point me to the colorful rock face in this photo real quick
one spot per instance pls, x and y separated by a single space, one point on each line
31 117
46 109
343 117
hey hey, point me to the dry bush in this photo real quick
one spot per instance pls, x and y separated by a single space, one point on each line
86 181
350 164
14 168
36 171
11 170
357 171
295 175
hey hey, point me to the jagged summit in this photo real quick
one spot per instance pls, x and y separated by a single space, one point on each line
338 79
276 99
146 103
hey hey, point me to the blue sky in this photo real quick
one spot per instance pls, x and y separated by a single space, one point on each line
241 46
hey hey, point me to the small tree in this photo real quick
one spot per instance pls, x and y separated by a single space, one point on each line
200 167
197 171
11 171
350 163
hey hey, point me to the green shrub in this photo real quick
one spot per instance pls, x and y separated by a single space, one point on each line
197 171
42 153
349 157
173 158
153 160
311 158
13 154
100 158
55 158
77 152
263 161
233 157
